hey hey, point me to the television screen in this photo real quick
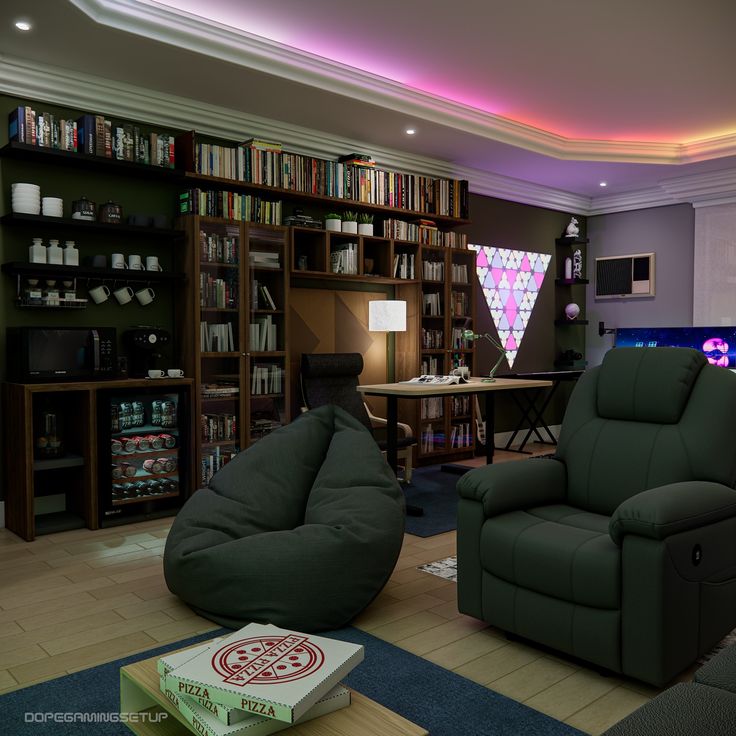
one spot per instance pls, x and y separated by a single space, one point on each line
718 344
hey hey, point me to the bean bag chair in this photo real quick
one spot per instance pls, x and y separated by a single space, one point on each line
302 530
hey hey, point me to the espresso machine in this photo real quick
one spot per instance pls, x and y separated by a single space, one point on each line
145 347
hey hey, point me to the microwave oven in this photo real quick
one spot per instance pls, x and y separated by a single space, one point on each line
39 354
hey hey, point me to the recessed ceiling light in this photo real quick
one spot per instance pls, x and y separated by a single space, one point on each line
603 184
410 131
23 25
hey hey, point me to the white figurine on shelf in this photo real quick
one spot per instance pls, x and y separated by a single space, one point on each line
572 230
577 264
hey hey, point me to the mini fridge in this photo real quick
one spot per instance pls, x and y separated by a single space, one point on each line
144 459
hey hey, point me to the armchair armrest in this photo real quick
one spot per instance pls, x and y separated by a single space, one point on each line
512 486
657 513
381 422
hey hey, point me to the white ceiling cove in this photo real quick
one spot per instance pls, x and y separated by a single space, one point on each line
534 101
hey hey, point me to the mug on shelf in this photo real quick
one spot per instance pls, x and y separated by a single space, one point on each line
145 296
152 264
175 373
117 260
124 294
99 294
156 374
99 261
135 263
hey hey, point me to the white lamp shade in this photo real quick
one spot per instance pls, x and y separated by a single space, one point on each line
387 316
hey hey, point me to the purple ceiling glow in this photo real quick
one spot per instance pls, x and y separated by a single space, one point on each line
510 280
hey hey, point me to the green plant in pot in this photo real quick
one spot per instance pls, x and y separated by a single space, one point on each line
350 222
365 223
333 222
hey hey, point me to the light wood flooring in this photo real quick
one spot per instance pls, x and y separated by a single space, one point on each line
76 599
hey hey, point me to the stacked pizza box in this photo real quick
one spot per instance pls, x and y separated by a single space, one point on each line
257 681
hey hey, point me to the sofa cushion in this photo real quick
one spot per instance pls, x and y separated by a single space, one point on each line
556 551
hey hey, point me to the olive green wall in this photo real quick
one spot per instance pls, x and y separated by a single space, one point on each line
496 222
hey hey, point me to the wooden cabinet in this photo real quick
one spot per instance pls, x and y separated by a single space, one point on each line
44 495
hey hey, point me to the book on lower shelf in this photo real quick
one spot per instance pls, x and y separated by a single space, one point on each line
266 671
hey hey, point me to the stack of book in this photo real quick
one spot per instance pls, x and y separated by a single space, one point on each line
432 305
344 258
258 681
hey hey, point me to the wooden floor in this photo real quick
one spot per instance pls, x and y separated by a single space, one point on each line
76 599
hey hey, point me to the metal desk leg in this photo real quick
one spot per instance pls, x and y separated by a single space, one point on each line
490 429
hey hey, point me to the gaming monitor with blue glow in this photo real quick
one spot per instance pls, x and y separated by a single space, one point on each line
718 344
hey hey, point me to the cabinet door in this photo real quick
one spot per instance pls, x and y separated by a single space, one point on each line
221 335
268 385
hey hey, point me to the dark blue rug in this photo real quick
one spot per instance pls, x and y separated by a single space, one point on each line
434 491
443 703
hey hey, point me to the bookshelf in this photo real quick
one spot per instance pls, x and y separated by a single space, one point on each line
569 337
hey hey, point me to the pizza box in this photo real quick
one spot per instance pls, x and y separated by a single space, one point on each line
267 671
204 722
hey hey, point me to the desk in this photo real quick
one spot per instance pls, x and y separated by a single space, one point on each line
527 403
395 391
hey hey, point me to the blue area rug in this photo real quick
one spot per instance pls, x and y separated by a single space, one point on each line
434 491
443 703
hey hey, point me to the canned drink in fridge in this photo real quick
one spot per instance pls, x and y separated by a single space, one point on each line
128 469
127 490
154 487
168 414
129 444
139 415
114 418
169 440
125 416
156 412
116 446
168 463
155 441
117 472
152 466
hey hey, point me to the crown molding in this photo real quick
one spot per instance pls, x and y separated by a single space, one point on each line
204 36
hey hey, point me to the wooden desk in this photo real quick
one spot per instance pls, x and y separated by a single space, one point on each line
395 391
139 693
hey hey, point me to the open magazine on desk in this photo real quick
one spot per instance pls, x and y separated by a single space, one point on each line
438 380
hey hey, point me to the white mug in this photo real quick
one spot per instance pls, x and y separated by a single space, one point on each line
156 374
152 264
145 296
135 263
123 294
99 294
175 373
117 260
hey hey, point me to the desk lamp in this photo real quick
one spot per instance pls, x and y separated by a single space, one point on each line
470 335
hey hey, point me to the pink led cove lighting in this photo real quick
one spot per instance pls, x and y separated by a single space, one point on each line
511 280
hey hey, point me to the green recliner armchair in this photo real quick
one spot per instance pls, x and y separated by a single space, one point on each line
621 549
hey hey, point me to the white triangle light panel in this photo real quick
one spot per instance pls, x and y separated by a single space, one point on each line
511 280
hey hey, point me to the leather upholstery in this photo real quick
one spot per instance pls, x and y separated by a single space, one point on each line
620 549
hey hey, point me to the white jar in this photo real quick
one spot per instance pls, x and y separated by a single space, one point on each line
37 251
568 269
71 254
54 254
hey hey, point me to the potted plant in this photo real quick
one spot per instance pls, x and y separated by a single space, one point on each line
365 224
333 222
350 222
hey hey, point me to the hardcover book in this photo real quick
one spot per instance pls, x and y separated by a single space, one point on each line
267 671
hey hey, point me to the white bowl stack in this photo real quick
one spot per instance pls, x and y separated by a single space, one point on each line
52 207
26 198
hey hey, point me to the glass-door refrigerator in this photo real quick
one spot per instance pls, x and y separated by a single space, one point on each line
144 461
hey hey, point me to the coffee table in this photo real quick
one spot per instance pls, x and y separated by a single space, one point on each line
139 692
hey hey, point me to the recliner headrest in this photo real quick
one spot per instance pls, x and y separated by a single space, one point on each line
647 384
318 365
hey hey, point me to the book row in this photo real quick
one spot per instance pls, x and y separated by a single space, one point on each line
459 342
217 338
350 181
214 459
219 293
432 304
261 297
344 258
433 339
266 379
433 270
459 303
263 335
403 266
231 206
432 408
424 234
219 427
461 436
215 248
93 135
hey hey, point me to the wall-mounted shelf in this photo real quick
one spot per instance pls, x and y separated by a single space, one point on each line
68 223
47 270
570 322
570 282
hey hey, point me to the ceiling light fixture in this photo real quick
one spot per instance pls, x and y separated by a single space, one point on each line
603 184
410 131
23 25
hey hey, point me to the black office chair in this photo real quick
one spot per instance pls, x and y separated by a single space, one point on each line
332 378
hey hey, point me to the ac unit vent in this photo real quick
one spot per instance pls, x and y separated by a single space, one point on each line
624 276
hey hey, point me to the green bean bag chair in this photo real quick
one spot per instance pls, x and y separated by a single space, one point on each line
302 530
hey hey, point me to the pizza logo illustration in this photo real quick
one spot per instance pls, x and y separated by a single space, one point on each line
264 660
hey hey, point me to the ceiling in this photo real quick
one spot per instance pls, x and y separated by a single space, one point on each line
542 100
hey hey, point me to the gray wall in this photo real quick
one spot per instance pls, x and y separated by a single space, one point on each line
669 233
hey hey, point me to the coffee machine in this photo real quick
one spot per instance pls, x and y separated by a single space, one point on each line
144 346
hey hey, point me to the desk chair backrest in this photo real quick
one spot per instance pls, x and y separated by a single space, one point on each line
647 417
332 378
